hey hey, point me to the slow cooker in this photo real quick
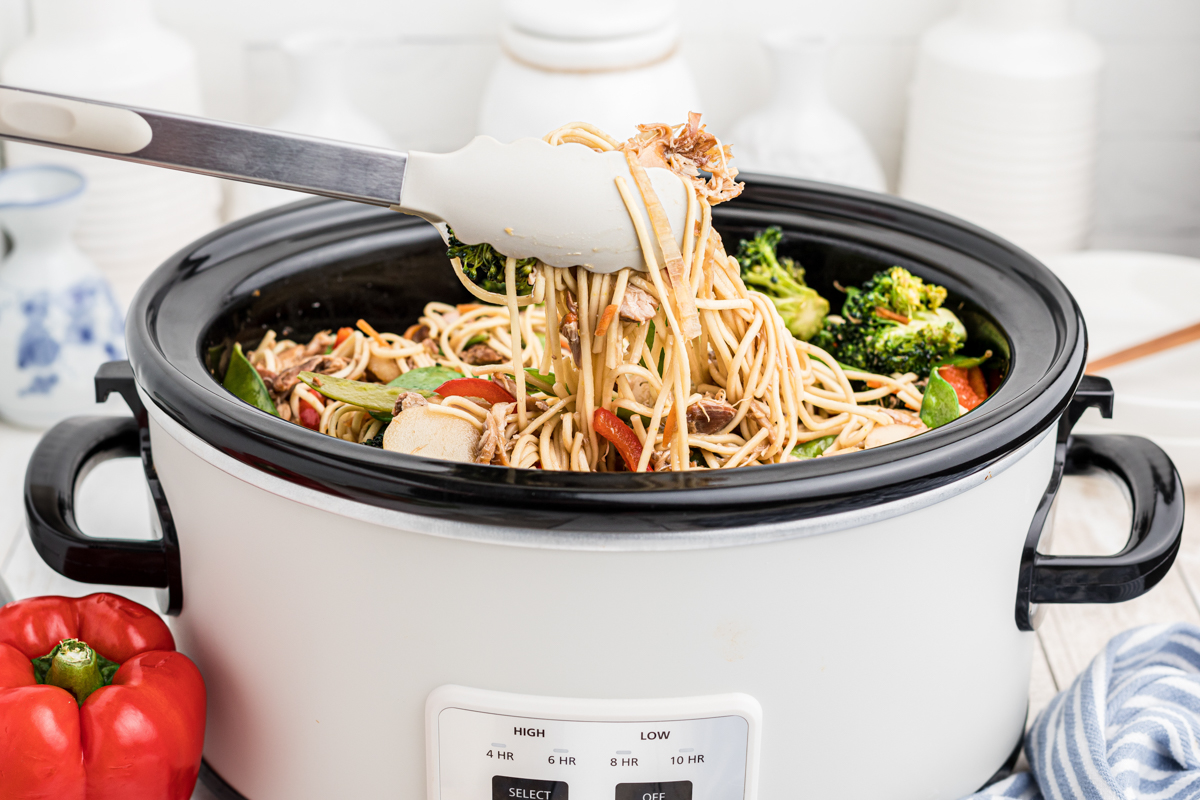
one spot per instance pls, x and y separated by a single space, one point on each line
378 625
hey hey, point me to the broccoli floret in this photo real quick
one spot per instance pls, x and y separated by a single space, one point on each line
485 267
782 279
893 323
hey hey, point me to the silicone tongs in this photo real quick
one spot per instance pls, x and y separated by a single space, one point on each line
526 199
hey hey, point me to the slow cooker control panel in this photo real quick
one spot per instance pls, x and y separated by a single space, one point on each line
484 745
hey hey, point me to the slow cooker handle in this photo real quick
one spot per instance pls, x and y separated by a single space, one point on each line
59 463
1156 492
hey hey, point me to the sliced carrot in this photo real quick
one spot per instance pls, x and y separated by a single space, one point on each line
465 307
343 335
892 315
365 327
669 425
606 318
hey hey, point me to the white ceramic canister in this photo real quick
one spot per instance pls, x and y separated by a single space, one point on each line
800 133
320 106
1003 122
615 65
58 319
134 216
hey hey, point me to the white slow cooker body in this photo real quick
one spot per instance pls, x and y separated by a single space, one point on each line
883 649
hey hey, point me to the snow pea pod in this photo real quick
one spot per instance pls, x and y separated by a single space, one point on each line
243 381
941 402
380 399
371 396
813 448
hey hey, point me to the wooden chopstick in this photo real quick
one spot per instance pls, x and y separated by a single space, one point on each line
1173 339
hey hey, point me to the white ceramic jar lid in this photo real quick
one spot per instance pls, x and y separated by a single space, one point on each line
582 37
604 19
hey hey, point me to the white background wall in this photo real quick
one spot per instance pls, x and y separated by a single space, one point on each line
422 69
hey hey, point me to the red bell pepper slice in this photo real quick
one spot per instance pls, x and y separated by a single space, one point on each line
140 736
476 387
968 384
610 426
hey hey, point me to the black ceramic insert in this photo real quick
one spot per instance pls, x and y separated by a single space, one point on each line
324 264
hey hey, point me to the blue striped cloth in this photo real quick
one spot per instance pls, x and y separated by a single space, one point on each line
1127 728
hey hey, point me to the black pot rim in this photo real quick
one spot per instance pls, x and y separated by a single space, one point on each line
1049 350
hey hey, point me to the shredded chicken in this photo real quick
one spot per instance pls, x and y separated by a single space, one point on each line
906 424
492 443
637 305
319 343
478 355
643 392
570 331
760 412
709 415
905 417
286 380
687 150
505 381
408 400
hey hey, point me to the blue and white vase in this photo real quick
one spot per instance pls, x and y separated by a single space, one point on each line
58 318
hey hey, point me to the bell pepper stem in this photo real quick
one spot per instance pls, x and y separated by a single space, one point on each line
75 667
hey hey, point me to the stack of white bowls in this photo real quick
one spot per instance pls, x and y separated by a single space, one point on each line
1003 122
134 216
1128 298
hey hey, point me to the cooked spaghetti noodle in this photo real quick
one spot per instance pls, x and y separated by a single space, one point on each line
704 370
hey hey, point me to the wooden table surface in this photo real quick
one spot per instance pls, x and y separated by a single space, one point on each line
1093 518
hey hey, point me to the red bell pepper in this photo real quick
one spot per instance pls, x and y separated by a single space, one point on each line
968 384
95 704
476 387
610 426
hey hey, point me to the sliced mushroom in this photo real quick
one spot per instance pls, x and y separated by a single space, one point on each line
406 401
385 370
478 355
709 415
325 365
420 431
417 333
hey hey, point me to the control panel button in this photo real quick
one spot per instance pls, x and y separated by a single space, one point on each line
506 788
667 790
